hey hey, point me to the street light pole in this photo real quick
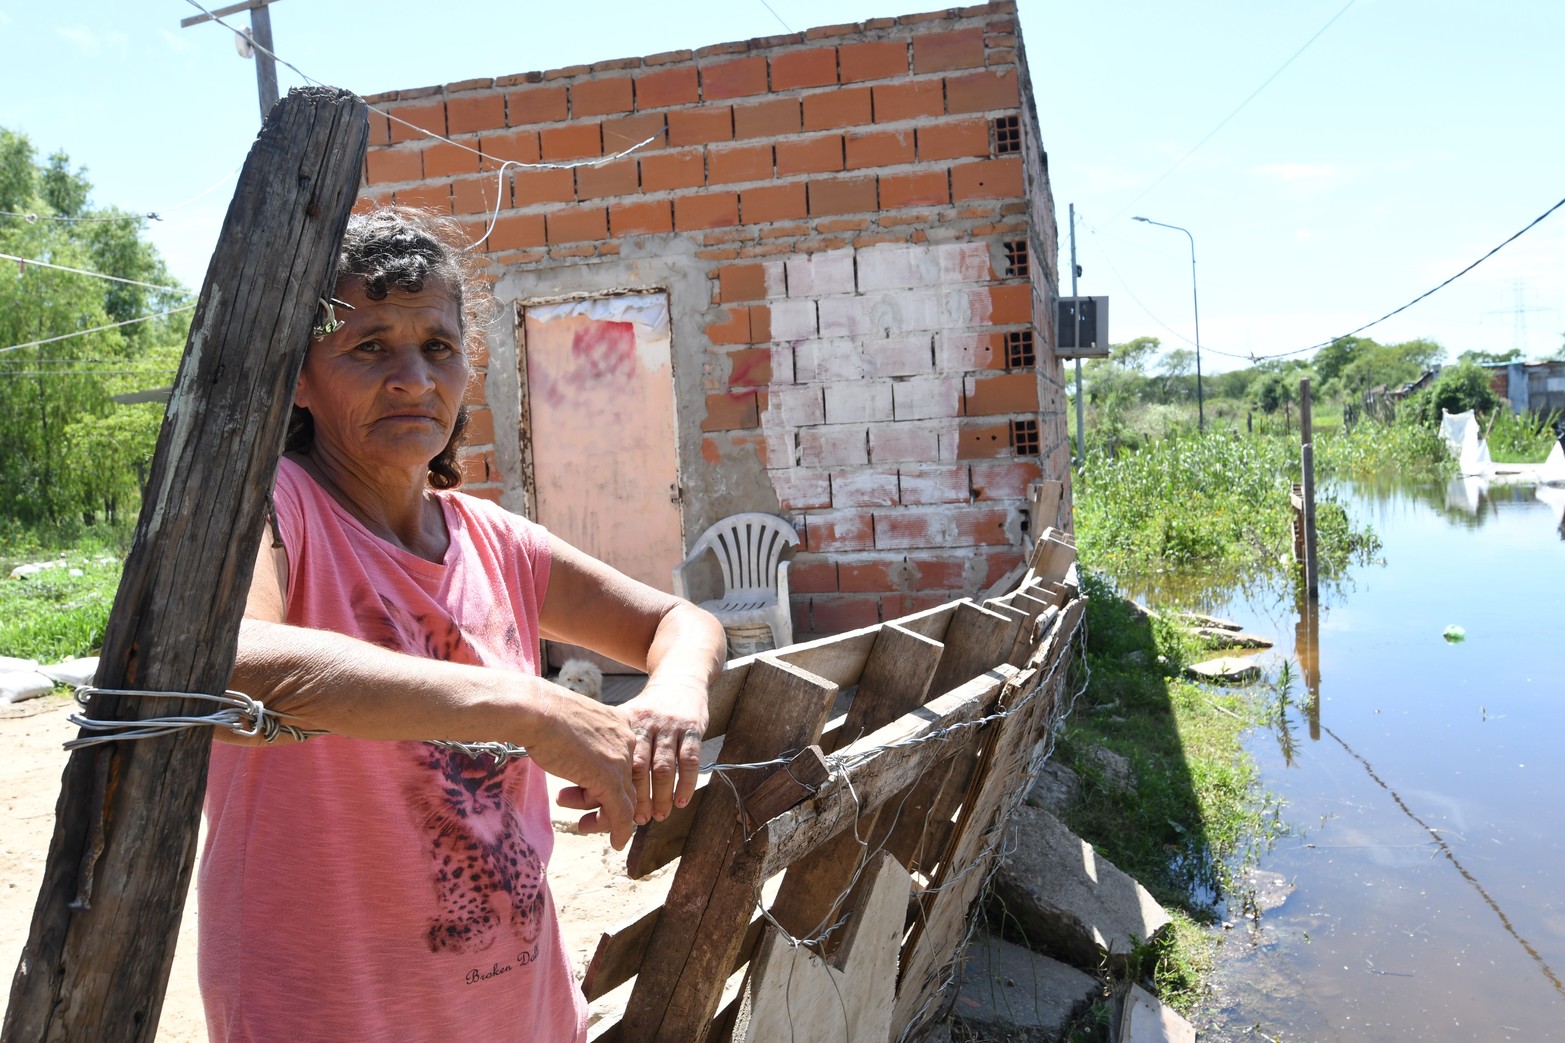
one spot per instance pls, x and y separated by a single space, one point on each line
1195 300
258 42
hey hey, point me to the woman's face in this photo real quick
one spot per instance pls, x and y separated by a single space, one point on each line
385 388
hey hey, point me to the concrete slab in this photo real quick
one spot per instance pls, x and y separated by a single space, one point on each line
1226 669
1144 1019
1065 899
1055 789
1013 994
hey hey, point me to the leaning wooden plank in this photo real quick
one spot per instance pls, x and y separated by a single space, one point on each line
793 993
976 640
1045 504
880 766
839 659
894 682
931 622
1052 557
719 879
939 930
619 953
102 938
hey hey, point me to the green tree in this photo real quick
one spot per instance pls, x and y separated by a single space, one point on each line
1490 357
1457 389
57 414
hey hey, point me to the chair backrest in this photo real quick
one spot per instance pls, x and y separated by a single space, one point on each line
749 548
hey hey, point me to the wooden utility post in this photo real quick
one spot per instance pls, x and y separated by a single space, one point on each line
260 40
1307 460
102 939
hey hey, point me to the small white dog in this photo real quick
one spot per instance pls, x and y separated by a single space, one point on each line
581 677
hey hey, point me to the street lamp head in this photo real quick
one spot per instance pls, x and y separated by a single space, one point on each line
1146 219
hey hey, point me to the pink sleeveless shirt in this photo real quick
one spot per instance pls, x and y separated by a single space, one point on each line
354 890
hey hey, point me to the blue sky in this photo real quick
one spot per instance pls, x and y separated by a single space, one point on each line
1333 159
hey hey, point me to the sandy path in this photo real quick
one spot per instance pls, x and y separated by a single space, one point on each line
598 896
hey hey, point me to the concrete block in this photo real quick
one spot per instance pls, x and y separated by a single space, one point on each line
957 351
833 446
927 398
904 443
1228 669
1055 789
898 356
896 266
965 262
1065 899
1010 993
794 407
934 484
858 402
820 274
1143 1018
881 314
836 358
793 320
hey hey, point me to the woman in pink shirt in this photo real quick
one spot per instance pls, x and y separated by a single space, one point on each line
368 883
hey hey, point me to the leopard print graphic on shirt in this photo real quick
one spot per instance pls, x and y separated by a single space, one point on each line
484 873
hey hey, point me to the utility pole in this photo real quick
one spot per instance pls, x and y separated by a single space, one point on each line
256 43
1081 427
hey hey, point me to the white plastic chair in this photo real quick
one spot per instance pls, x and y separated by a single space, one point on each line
749 547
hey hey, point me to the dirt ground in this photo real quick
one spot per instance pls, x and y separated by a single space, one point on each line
598 896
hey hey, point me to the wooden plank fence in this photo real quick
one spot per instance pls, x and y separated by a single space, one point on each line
829 868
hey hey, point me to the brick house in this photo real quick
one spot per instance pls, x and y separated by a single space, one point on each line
823 287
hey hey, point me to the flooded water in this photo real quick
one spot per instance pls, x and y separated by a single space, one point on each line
1424 787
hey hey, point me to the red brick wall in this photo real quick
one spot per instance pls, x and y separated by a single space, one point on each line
847 195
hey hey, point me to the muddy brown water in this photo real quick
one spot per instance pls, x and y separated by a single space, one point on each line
1422 882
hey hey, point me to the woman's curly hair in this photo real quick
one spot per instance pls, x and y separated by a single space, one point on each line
402 248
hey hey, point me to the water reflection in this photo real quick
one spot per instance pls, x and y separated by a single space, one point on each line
1423 757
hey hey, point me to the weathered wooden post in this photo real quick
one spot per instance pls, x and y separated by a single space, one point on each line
1307 462
102 939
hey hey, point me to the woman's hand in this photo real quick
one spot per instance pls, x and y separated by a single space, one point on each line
669 720
593 746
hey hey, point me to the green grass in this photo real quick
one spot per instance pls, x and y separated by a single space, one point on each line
1193 815
1215 505
60 612
1521 438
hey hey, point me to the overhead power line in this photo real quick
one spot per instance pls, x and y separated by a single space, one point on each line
1397 311
99 329
24 261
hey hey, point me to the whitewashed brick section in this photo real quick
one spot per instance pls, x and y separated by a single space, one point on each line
896 266
863 489
965 262
958 351
898 442
798 489
820 274
783 366
782 449
775 279
793 320
885 313
835 358
927 398
940 484
833 446
858 401
950 441
898 356
971 307
794 407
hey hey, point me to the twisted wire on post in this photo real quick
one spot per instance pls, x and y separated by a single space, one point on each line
242 714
